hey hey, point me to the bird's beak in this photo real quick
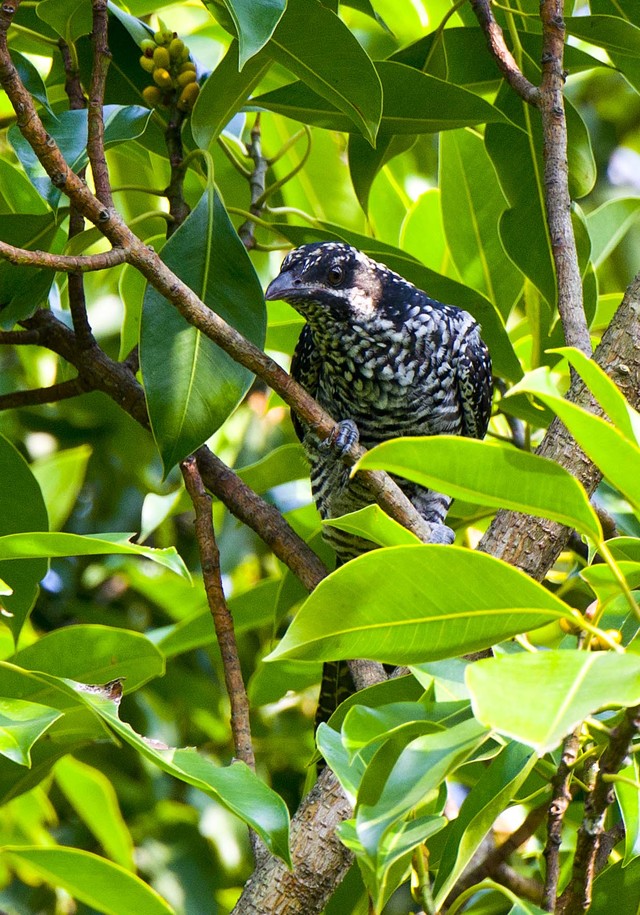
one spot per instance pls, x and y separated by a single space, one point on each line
280 287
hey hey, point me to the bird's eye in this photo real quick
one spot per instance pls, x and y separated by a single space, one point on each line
335 275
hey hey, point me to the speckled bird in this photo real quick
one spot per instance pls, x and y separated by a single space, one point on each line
385 360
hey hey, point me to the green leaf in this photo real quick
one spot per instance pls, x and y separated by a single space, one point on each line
488 473
413 103
36 545
628 797
21 507
61 476
605 391
69 130
373 524
95 654
394 785
30 77
94 799
365 162
346 78
516 152
615 455
69 18
539 698
236 787
472 204
104 886
610 32
23 289
422 234
619 883
255 24
21 724
608 225
409 604
223 94
494 790
191 384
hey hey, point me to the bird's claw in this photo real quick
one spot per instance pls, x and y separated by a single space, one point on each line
441 533
344 436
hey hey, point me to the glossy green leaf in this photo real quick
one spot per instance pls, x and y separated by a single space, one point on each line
610 32
365 162
608 225
23 289
364 727
346 79
99 883
472 204
223 93
281 465
422 234
619 883
394 785
495 789
94 799
60 476
95 654
616 456
413 103
489 473
191 384
255 24
19 196
628 797
410 604
609 396
30 77
236 787
22 508
539 698
516 152
47 545
69 18
605 583
373 524
21 724
69 130
436 285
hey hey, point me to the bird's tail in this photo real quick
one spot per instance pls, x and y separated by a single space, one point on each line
336 686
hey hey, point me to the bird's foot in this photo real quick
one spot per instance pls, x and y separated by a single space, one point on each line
346 435
440 533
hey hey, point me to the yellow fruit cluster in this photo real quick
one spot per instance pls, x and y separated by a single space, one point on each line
166 58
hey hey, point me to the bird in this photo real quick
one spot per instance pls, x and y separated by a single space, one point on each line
385 360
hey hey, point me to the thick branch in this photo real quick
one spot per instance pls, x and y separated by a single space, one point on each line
222 619
556 178
502 55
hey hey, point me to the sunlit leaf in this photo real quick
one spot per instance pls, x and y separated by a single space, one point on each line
21 724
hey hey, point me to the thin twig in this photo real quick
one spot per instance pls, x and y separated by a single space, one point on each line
576 898
256 184
178 207
502 55
56 392
222 619
556 178
95 138
62 263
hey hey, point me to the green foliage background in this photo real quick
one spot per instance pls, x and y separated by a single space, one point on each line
451 196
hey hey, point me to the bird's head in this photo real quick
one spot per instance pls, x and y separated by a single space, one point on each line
330 282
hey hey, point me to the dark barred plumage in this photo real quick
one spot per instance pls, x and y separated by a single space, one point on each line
378 352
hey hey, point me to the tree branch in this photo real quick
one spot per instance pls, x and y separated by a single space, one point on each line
222 619
95 137
62 263
256 183
557 809
36 396
502 55
576 899
556 178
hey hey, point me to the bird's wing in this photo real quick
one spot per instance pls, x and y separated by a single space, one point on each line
305 368
475 385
